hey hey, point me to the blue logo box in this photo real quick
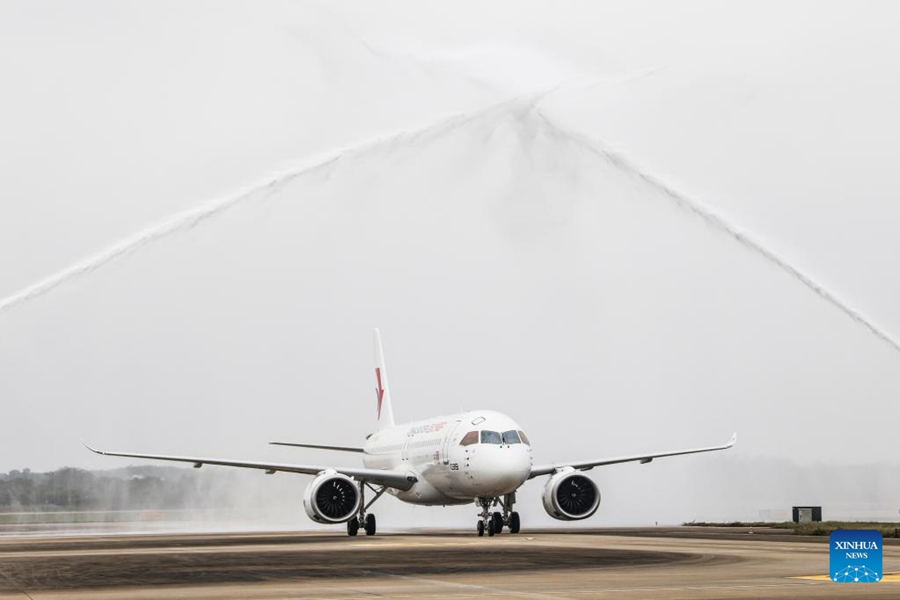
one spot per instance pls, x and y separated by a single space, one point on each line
856 556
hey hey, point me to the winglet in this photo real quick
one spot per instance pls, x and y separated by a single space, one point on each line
733 440
94 450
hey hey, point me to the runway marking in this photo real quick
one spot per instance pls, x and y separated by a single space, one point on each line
687 588
481 589
886 578
280 547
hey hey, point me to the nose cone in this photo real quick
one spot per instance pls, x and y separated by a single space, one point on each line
500 469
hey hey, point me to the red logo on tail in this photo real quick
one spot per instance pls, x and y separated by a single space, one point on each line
379 392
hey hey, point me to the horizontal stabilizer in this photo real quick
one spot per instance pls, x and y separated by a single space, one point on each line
319 447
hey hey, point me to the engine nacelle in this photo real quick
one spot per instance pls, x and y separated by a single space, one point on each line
570 496
331 498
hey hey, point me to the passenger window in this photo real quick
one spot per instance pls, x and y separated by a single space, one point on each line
469 439
490 437
511 437
524 438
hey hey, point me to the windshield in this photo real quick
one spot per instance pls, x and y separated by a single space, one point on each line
511 437
524 438
469 439
490 437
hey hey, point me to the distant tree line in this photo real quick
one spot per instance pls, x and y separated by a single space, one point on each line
132 488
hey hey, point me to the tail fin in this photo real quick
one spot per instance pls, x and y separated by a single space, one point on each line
384 414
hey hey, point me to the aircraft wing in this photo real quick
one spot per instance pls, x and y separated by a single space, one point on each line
402 480
586 465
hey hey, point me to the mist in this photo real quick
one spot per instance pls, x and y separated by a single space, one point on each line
631 227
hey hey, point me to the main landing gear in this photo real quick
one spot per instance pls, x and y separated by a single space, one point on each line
364 520
493 523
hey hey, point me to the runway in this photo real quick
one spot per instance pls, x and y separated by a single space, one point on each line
619 563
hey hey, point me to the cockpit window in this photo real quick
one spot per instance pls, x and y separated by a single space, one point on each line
469 439
524 438
490 437
511 437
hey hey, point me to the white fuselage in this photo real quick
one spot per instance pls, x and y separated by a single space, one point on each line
449 468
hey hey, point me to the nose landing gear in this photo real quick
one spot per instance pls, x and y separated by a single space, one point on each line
497 522
493 523
514 522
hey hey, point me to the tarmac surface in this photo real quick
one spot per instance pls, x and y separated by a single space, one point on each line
681 562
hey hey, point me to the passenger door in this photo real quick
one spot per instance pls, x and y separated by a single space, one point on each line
404 451
445 448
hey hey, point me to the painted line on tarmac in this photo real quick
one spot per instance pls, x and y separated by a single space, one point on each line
481 589
621 590
886 578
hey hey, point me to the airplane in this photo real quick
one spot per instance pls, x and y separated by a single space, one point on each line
481 455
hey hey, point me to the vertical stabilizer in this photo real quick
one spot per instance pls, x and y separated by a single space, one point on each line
384 413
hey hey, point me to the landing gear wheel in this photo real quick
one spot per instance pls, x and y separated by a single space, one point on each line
497 520
352 526
490 528
480 528
514 522
370 524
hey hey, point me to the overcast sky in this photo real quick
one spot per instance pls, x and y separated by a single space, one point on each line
510 262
